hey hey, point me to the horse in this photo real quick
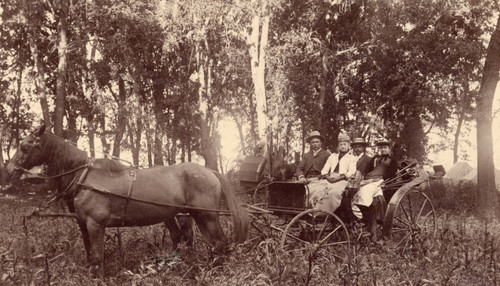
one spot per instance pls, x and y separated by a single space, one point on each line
105 193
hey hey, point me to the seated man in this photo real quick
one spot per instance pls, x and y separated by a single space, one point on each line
358 146
338 168
381 167
309 168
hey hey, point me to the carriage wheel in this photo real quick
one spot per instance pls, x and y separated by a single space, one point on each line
314 233
269 225
413 221
259 196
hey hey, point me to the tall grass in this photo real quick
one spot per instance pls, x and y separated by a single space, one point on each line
40 250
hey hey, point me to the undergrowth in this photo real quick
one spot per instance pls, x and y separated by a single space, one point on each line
37 251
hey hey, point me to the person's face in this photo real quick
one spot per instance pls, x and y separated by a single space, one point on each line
343 147
358 149
315 144
384 150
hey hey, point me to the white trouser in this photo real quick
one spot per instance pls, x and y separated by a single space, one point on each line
365 195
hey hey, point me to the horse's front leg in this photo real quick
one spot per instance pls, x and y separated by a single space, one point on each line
96 236
83 229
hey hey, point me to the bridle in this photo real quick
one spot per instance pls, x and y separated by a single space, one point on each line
35 175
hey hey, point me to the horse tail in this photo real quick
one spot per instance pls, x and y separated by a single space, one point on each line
238 213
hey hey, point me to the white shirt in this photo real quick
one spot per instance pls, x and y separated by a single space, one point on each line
347 165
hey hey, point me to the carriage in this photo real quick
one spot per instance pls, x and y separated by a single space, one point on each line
104 193
283 207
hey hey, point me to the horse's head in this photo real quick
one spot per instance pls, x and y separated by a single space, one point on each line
28 155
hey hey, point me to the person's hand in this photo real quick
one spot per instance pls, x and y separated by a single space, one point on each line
332 178
303 180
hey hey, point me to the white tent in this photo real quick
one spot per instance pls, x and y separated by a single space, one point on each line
457 172
472 177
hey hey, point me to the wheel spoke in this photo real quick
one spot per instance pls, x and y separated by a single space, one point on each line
404 222
426 216
404 238
404 210
325 223
330 234
410 207
420 212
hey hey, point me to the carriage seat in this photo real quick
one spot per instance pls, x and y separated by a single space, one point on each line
252 170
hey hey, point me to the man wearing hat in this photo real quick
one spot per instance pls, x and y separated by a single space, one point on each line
381 167
309 168
358 146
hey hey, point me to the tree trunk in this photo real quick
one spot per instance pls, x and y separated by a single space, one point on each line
121 117
207 146
173 148
40 75
91 134
322 92
257 45
62 27
104 141
457 137
3 173
136 146
239 125
159 107
149 147
40 81
487 194
15 113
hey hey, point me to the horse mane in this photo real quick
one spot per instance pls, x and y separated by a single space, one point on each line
110 166
62 154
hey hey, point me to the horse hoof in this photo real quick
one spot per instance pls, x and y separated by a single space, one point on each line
96 272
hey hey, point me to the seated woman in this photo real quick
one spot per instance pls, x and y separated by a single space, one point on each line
326 194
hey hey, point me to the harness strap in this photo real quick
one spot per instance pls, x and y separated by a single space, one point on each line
133 177
106 192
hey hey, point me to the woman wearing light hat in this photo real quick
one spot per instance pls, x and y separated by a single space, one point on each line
338 168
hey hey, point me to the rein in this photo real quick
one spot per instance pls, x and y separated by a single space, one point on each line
58 196
35 175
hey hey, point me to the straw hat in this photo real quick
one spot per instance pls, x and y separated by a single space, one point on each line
315 134
343 137
359 141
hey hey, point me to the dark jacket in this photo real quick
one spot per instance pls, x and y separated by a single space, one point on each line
363 164
310 162
382 167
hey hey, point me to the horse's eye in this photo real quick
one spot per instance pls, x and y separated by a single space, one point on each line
24 148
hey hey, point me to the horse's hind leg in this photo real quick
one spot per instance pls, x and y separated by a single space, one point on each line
96 235
173 229
186 224
209 225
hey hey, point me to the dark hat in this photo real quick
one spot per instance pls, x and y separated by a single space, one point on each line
359 141
315 134
383 142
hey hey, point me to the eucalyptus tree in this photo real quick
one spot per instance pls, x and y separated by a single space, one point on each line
488 205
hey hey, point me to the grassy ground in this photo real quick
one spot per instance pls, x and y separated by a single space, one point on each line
38 250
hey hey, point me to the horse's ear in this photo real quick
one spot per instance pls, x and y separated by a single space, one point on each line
40 130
